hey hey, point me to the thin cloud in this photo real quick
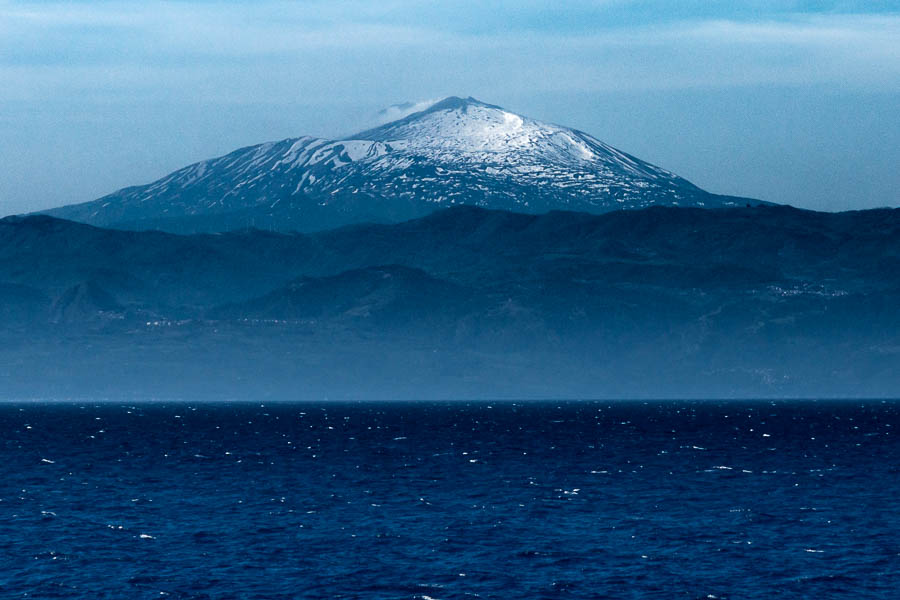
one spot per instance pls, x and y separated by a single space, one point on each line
246 46
400 110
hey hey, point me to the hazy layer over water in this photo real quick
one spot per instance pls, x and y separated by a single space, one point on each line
535 500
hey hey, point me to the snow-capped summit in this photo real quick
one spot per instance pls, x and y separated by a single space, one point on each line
456 151
476 132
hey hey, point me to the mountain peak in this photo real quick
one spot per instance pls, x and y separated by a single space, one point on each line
478 135
458 109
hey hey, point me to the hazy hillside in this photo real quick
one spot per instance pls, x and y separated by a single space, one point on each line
463 303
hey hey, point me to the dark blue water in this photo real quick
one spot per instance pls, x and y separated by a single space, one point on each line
535 500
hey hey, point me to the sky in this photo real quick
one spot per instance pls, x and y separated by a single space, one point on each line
788 101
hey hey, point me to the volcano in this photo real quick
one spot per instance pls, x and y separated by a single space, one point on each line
459 151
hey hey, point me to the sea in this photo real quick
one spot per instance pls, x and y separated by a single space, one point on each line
431 501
